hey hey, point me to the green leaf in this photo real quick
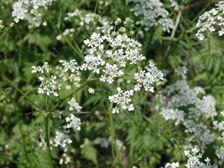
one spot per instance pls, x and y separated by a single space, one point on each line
90 153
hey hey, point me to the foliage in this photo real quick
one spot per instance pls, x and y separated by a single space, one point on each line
105 83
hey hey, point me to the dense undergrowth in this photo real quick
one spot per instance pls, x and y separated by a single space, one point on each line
110 83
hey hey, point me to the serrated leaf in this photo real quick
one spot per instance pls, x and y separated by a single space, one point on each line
92 100
90 153
202 76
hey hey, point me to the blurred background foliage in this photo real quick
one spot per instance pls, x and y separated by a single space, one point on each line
152 139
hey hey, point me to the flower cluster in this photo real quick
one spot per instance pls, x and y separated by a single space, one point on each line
3 96
193 161
146 78
73 105
73 122
41 69
172 165
122 98
60 139
181 71
69 71
28 10
153 14
61 136
67 32
86 20
194 157
48 86
187 108
220 154
110 72
210 21
121 50
65 159
103 142
108 55
220 127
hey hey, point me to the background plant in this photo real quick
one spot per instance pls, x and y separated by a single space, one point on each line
68 67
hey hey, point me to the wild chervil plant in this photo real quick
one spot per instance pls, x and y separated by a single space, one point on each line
111 84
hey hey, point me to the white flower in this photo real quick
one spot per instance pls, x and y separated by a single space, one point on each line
173 114
91 90
122 99
110 72
72 65
27 9
185 107
38 3
93 63
146 78
194 157
19 11
74 105
182 71
211 20
152 13
220 154
103 142
60 139
44 68
122 50
172 165
73 122
118 21
49 86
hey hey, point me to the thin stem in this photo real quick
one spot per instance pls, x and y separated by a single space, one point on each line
193 21
69 95
75 48
21 92
60 15
12 161
112 133
96 6
133 136
21 132
24 147
47 139
173 34
209 45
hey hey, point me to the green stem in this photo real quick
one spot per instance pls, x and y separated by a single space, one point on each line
96 6
60 15
21 92
133 136
209 45
72 93
112 133
75 48
24 147
173 34
47 139
21 132
193 21
6 158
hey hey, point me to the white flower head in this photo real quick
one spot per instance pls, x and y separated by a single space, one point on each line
211 21
148 77
122 99
73 122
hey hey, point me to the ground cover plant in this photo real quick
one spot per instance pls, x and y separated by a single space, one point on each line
110 83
